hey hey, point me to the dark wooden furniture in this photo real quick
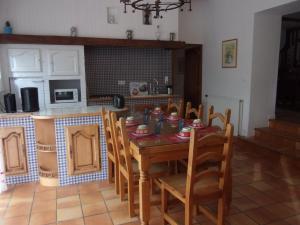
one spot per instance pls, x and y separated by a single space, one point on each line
87 41
193 74
142 107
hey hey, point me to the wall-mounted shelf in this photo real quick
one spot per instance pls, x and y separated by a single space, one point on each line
87 41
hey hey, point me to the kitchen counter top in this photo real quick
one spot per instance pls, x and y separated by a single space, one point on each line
91 99
64 112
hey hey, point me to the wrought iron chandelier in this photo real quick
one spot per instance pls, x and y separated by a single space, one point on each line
156 6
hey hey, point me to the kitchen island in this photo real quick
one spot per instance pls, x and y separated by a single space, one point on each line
57 146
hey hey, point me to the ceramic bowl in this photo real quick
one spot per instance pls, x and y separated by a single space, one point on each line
197 121
185 132
174 115
157 109
142 129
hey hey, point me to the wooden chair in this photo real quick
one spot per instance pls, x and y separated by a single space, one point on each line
142 107
113 165
198 187
225 119
178 107
190 111
128 167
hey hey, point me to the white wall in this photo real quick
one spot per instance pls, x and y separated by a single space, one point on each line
55 17
266 47
227 19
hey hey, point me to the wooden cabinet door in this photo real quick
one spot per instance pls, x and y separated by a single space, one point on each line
25 60
83 149
63 62
14 150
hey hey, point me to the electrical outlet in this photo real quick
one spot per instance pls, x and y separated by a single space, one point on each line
121 82
166 79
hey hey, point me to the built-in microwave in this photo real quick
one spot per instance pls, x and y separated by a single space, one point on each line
65 95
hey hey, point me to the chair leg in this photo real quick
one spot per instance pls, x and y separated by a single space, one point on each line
122 186
131 198
117 179
228 193
221 211
188 211
164 203
110 171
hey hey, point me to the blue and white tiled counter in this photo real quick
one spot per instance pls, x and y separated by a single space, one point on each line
62 118
64 178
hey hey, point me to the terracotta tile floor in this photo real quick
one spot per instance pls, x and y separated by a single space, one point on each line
266 190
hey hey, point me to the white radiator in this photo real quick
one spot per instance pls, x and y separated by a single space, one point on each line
220 104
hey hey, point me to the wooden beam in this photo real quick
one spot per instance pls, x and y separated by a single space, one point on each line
87 41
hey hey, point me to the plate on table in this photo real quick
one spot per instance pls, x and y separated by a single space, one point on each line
140 135
157 112
132 124
197 127
173 118
182 137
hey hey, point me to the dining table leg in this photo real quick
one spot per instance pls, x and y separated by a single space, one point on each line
144 189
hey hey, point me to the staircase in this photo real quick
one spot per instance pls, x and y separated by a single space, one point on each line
280 136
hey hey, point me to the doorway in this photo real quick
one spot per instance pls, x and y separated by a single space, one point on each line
193 75
288 83
187 73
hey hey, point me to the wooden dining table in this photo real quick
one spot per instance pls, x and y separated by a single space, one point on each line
163 147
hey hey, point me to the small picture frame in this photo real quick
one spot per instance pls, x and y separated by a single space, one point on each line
112 15
229 53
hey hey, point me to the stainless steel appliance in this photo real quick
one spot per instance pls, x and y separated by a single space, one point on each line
65 95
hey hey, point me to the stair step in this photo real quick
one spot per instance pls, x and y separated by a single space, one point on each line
288 127
270 146
281 141
278 133
264 144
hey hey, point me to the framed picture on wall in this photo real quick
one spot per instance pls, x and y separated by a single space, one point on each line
229 53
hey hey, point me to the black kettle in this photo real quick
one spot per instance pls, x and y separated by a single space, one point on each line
118 101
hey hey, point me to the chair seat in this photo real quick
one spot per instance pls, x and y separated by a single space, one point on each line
205 189
155 169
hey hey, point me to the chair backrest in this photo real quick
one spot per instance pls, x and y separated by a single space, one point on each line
177 107
108 131
225 119
197 112
122 144
142 107
212 147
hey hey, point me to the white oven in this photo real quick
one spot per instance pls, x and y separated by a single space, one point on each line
65 95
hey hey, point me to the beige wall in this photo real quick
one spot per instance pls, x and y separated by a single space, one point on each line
212 21
89 16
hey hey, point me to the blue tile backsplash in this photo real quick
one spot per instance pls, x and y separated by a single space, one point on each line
106 65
